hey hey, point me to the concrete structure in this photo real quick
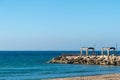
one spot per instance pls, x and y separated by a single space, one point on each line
87 50
108 50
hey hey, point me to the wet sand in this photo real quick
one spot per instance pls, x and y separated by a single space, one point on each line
97 77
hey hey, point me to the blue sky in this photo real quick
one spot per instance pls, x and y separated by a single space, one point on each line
58 24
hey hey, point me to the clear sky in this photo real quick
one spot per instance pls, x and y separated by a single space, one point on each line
58 24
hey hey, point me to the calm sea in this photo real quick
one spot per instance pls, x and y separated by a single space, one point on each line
31 65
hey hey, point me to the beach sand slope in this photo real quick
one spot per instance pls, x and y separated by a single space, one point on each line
98 77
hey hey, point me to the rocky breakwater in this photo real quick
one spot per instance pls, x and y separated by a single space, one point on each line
96 60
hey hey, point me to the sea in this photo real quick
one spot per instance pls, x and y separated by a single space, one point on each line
32 65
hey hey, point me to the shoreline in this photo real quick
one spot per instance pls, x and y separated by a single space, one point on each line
115 76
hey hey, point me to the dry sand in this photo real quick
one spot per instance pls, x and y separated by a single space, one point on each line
98 77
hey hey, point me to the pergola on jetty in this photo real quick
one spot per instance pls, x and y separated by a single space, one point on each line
108 50
87 50
103 59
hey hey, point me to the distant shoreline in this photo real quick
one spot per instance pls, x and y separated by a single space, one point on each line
96 77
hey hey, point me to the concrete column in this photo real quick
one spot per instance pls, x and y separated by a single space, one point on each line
102 51
108 52
92 51
114 52
86 52
81 52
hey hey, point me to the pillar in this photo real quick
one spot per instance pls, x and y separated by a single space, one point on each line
81 52
108 52
102 51
114 52
92 51
86 52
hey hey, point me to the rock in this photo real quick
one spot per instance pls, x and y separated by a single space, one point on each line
102 60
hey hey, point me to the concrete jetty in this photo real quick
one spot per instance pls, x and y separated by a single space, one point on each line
109 59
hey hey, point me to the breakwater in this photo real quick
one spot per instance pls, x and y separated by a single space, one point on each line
96 60
109 59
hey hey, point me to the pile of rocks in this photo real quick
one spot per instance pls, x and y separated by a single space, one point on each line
98 60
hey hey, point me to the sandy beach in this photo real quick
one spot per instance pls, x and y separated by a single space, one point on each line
97 77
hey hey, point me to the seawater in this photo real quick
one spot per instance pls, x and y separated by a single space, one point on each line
32 65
